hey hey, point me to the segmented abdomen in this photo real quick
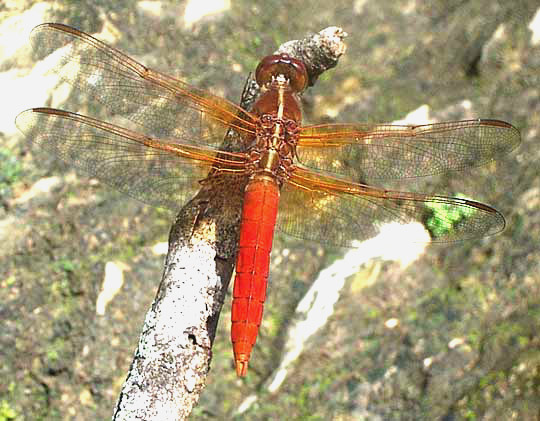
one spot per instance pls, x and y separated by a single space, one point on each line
259 214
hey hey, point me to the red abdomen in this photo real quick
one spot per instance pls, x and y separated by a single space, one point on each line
256 234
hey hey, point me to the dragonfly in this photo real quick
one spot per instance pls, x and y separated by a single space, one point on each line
315 182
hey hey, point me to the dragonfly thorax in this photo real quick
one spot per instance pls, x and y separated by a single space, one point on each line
275 146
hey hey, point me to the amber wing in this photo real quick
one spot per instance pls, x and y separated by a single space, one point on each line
374 152
156 171
337 212
165 107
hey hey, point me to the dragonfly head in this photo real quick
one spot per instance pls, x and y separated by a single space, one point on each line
282 65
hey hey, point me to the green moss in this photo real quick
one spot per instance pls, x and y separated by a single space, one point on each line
445 217
9 281
470 415
7 412
66 265
10 170
372 313
53 355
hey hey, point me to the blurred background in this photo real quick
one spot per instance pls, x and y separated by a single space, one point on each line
438 332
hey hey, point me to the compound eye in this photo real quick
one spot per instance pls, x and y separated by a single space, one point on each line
294 70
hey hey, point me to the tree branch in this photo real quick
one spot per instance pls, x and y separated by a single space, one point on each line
170 365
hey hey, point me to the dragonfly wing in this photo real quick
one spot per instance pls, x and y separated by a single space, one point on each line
375 152
166 107
337 212
157 172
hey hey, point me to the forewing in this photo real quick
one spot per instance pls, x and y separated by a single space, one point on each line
376 152
166 107
155 171
338 213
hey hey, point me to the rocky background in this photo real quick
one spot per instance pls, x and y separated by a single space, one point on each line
451 335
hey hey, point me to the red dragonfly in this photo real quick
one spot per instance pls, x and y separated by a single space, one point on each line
302 170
